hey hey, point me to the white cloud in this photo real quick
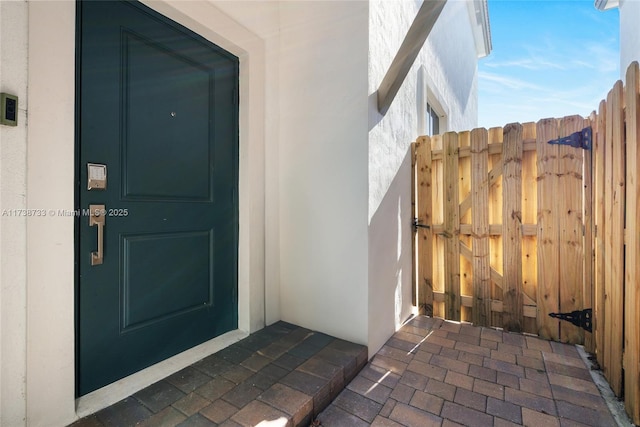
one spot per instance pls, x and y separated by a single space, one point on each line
604 56
531 63
505 81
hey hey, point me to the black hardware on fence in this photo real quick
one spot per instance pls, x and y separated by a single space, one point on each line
580 318
417 225
580 139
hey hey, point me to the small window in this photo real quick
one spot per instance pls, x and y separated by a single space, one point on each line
433 121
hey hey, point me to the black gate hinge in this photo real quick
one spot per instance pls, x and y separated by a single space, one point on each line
580 318
417 225
582 139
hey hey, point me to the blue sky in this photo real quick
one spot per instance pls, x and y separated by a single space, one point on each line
550 59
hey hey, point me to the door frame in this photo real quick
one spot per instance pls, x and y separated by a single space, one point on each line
51 243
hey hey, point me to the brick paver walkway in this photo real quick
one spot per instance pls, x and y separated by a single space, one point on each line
430 373
281 376
438 373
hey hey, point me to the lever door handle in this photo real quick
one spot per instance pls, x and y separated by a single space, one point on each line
97 217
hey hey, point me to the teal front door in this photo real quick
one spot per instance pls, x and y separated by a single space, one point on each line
157 115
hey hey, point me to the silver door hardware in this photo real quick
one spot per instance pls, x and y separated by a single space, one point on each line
97 215
96 176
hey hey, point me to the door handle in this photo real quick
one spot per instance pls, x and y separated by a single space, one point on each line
97 217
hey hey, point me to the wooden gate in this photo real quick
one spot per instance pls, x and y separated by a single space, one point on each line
503 217
511 228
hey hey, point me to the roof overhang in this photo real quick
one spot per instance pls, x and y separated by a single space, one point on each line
479 18
606 4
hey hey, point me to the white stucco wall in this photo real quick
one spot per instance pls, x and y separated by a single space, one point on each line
629 34
446 73
13 148
50 241
263 19
323 166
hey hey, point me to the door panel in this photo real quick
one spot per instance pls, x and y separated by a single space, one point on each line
156 105
153 295
150 103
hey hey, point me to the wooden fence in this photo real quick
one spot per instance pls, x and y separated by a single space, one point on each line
511 228
616 189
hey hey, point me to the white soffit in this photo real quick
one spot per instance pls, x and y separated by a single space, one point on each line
606 4
479 18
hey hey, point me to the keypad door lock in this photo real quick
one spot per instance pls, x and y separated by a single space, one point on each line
8 109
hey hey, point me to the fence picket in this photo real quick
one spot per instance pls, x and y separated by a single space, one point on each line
632 253
589 259
529 220
451 228
569 212
608 238
464 212
437 211
548 245
481 311
495 219
425 235
600 189
512 227
615 248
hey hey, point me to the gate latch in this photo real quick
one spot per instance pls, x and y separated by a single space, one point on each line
580 318
580 139
417 225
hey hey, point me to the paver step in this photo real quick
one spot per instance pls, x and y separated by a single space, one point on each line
282 372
